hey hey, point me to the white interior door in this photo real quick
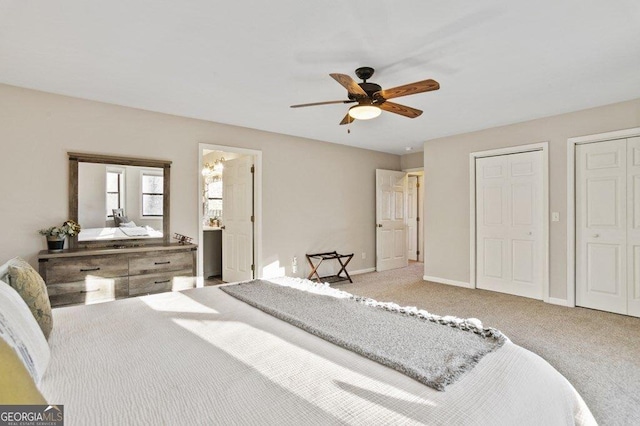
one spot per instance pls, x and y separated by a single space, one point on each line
415 208
237 211
509 224
601 226
421 218
412 217
633 228
391 221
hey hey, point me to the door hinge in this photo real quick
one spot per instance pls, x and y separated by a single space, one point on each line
253 169
253 267
253 218
417 218
418 253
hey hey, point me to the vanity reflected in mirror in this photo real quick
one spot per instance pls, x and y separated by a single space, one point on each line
118 201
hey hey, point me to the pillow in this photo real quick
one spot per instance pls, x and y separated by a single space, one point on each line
19 329
119 217
119 220
30 285
16 384
131 224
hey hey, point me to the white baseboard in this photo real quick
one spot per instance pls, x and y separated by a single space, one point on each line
552 300
447 281
555 301
362 271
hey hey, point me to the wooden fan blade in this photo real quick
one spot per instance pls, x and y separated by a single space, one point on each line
347 119
408 89
351 86
400 109
348 101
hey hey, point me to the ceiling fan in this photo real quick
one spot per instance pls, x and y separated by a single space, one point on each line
371 99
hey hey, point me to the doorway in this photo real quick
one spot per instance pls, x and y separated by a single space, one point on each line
229 214
399 207
509 220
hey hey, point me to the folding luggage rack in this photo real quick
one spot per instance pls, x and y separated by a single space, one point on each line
329 256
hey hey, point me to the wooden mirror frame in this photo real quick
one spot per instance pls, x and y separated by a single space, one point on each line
75 158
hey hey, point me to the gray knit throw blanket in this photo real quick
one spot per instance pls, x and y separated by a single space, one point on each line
433 350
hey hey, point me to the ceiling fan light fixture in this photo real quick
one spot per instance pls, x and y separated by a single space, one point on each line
364 112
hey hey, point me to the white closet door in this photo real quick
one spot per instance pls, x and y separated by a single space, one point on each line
633 226
601 226
509 224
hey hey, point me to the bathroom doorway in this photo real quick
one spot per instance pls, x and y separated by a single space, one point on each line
229 219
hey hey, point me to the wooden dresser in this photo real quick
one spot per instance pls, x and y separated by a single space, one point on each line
85 276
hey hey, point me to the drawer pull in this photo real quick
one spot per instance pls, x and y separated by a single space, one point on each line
89 291
163 263
162 282
90 269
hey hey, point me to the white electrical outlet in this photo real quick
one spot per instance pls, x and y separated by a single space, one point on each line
294 265
555 217
364 255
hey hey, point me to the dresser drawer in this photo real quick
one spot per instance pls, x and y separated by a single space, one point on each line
160 261
90 290
77 268
157 283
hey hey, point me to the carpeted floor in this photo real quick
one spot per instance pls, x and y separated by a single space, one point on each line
598 352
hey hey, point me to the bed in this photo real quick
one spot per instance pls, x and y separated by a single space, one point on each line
119 233
201 356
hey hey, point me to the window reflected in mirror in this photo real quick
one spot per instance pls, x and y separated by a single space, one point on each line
152 184
213 207
114 190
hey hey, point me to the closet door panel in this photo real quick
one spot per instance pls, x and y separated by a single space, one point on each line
601 226
493 224
509 224
633 226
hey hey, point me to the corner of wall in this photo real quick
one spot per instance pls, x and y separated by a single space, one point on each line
415 160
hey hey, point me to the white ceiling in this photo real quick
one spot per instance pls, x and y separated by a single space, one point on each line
245 62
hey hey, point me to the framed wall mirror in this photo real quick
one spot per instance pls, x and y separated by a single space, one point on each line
119 201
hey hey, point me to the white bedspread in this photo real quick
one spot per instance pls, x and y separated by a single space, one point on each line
91 234
203 357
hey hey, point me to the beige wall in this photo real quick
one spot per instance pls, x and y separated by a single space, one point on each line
414 160
446 164
316 195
